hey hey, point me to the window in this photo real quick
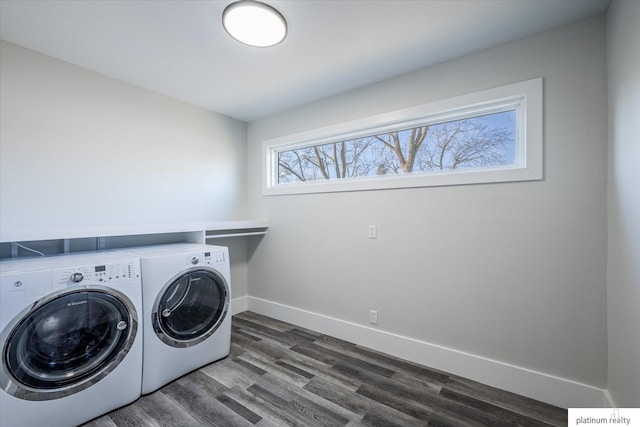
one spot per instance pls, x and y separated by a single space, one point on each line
489 136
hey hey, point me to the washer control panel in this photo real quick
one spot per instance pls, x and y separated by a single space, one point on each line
98 274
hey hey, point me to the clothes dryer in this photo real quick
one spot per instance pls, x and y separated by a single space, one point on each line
187 309
71 338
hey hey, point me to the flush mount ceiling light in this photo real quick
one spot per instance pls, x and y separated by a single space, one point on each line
254 23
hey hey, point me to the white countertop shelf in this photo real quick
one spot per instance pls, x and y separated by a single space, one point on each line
211 230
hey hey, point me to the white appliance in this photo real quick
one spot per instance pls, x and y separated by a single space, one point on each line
71 337
187 309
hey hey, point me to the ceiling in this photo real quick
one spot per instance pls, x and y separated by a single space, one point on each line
179 48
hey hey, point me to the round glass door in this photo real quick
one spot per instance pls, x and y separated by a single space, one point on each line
190 307
67 342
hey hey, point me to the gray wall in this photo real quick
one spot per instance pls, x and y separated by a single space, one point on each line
623 266
514 272
82 149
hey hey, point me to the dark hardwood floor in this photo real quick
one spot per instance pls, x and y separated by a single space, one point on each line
279 374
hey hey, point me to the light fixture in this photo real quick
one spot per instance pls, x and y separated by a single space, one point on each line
254 23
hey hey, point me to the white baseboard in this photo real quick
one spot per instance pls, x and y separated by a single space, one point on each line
526 382
238 305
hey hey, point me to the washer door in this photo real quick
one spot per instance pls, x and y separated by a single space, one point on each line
190 307
67 342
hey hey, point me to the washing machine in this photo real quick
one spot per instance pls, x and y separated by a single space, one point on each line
71 338
186 307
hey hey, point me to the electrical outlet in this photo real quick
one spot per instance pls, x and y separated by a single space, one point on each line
373 317
373 231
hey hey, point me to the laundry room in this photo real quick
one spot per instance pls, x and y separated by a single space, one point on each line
361 276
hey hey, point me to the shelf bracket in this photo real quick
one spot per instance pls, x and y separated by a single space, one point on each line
102 243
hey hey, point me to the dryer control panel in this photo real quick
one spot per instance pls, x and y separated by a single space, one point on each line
97 274
206 258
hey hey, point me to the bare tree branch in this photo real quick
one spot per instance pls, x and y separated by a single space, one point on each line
452 145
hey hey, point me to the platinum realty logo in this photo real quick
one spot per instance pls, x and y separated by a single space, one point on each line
604 417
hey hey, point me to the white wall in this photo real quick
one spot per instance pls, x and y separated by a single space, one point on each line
512 272
82 149
623 261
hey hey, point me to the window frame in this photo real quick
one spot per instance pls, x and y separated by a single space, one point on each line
526 97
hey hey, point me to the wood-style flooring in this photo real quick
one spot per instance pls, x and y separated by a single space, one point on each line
279 374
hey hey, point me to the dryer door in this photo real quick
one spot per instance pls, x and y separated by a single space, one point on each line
190 307
66 342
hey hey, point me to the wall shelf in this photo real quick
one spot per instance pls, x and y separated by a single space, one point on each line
239 234
258 229
52 241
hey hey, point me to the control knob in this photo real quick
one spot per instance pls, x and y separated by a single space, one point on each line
76 277
195 260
